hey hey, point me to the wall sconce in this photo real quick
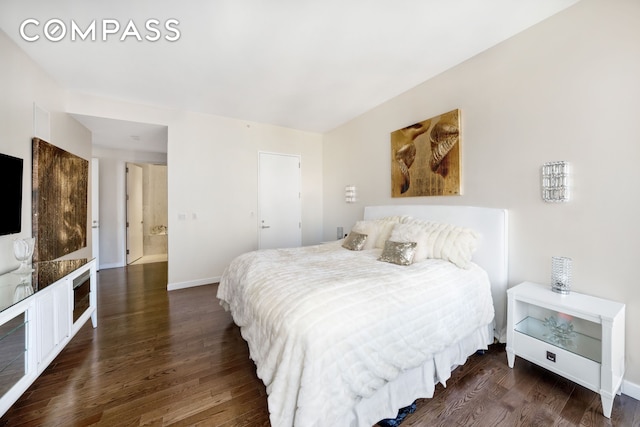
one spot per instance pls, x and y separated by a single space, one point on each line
555 182
350 194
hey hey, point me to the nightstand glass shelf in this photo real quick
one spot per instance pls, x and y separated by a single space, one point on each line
580 344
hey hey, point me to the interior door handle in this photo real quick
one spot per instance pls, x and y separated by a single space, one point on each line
266 226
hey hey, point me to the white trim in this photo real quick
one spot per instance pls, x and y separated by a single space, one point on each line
631 389
111 265
192 283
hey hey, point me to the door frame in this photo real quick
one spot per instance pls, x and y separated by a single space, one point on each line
128 226
95 210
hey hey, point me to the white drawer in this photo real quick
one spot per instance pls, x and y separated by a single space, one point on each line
578 369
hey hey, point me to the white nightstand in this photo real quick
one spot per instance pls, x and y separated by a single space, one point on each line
592 355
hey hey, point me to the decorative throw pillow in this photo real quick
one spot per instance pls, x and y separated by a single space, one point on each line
443 241
369 228
355 241
401 219
400 253
378 230
411 233
385 228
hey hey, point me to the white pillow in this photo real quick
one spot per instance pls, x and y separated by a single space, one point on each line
401 219
378 231
411 233
368 228
438 240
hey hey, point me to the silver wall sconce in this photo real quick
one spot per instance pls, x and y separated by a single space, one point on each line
350 194
555 182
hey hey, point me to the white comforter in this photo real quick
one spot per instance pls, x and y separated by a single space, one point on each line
327 326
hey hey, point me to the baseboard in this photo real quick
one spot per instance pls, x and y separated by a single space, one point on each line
192 283
631 389
112 265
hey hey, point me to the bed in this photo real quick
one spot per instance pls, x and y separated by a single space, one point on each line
347 337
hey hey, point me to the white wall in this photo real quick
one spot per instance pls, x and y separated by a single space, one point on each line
213 165
23 83
212 173
566 89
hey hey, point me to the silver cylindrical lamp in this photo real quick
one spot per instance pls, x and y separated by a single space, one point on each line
561 274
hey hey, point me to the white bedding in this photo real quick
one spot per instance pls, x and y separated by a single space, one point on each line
327 326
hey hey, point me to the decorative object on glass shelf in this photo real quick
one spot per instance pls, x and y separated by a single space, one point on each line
560 331
561 274
555 181
23 250
350 194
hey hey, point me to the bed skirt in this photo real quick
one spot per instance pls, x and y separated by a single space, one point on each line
418 382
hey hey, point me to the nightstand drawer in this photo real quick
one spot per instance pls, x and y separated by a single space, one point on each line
578 369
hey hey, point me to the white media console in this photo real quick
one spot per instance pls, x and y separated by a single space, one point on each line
39 315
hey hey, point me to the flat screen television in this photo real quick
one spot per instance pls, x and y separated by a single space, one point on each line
10 194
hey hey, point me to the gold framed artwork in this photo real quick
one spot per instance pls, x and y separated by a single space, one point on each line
425 157
59 199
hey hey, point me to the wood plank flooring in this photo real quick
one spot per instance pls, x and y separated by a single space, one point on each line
175 358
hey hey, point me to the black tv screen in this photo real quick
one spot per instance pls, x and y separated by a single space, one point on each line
10 194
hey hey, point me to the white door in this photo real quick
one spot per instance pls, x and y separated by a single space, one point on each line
279 202
134 213
95 210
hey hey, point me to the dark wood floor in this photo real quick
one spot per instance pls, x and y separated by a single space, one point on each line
176 358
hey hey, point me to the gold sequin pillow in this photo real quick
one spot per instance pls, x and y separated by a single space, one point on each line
400 253
355 241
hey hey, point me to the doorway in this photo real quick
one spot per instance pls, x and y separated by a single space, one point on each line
147 218
279 201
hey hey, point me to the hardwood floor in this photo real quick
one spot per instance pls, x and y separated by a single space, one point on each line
176 358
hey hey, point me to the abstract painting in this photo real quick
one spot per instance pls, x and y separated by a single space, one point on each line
425 157
59 198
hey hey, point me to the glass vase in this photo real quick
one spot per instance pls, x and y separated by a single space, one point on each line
23 250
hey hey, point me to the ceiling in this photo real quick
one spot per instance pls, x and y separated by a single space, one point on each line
305 64
125 135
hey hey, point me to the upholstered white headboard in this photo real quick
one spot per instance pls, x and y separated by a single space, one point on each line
492 252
